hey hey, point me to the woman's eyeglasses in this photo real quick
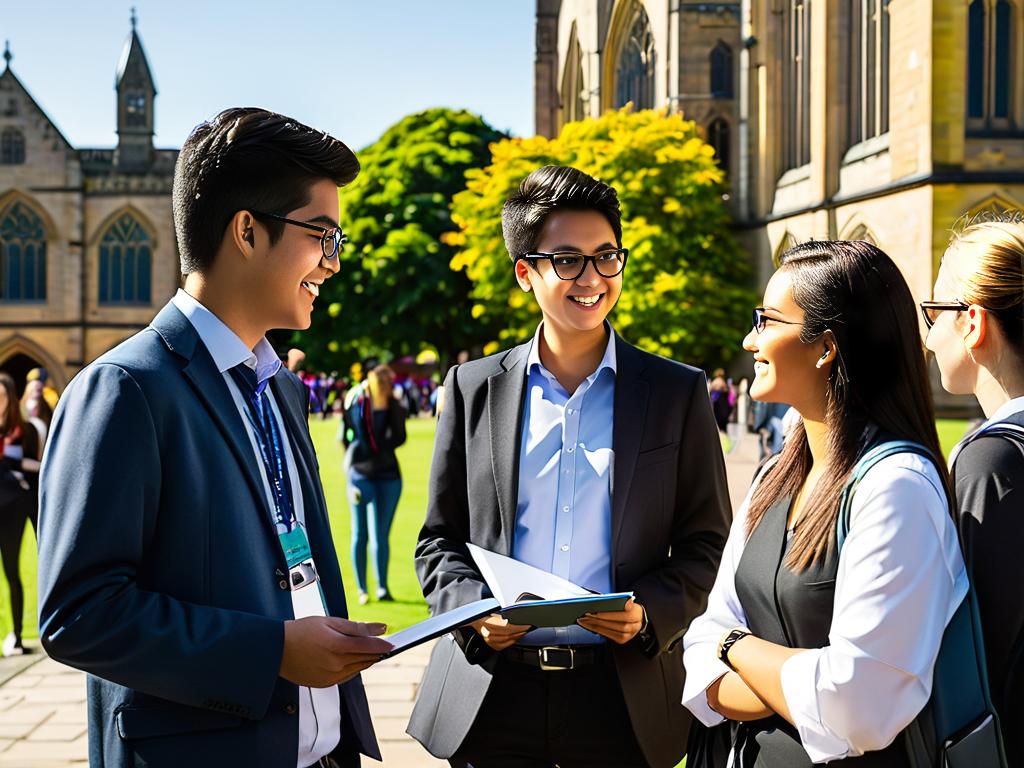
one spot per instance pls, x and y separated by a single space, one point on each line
332 239
569 265
930 309
760 318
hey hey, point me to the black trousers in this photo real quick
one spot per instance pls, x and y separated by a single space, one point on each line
534 719
13 515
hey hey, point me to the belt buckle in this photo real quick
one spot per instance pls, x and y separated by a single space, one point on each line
549 658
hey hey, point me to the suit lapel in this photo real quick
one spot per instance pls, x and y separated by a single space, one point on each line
505 392
211 389
631 394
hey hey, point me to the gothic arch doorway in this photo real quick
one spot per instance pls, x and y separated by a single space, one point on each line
17 367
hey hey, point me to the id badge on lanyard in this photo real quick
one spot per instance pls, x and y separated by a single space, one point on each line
303 580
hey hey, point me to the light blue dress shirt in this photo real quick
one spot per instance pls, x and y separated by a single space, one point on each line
563 513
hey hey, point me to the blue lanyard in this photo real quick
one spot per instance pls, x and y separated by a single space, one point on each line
264 425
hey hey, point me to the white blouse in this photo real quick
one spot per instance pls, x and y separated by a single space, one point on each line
900 579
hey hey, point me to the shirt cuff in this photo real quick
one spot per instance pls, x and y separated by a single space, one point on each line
702 669
799 677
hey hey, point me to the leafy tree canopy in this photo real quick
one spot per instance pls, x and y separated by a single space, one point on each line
686 289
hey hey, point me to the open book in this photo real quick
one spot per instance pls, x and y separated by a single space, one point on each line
522 594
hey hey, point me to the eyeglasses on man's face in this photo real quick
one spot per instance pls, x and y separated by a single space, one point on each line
569 265
930 310
759 319
332 239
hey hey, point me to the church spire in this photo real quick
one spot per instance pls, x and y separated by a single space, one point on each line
136 93
7 54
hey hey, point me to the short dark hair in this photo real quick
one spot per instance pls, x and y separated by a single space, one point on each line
248 158
549 189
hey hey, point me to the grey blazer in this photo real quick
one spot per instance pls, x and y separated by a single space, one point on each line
670 517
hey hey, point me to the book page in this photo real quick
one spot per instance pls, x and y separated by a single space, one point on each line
508 578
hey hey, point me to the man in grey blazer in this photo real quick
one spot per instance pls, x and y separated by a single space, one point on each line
183 524
582 455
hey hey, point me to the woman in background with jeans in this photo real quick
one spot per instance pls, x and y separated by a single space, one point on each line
19 490
373 427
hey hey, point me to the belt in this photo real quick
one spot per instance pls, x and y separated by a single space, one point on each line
554 658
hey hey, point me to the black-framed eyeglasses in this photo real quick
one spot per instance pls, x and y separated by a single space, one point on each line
332 239
569 265
930 309
759 319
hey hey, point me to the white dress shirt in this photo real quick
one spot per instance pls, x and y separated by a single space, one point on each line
319 708
900 579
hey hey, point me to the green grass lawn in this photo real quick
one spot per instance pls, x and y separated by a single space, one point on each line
415 460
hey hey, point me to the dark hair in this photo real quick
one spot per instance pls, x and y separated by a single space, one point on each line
248 158
549 189
879 378
12 418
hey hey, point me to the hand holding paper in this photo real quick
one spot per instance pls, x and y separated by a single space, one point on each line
618 626
498 633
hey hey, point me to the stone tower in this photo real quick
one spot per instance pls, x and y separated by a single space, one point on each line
136 93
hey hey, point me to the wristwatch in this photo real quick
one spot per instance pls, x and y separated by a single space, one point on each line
727 642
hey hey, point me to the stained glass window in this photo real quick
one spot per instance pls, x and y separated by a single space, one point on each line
125 263
22 255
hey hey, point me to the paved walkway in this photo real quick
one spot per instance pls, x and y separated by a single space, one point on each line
42 703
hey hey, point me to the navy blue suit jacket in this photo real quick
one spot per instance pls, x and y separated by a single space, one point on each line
160 571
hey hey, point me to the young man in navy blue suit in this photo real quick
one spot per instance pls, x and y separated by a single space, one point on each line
185 556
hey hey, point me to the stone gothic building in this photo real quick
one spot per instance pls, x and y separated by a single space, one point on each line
884 120
87 251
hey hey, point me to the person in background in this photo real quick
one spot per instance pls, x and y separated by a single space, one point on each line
19 492
976 330
719 390
49 393
373 427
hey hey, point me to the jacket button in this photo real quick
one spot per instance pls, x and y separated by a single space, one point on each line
290 709
282 584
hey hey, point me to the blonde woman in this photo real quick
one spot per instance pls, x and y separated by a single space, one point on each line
373 428
976 330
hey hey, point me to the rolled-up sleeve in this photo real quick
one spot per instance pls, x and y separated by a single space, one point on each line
900 579
724 612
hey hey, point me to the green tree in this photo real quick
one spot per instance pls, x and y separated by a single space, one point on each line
395 292
686 291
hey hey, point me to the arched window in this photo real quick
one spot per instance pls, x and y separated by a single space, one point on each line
796 84
12 147
574 106
22 255
992 35
721 71
125 263
718 137
868 70
634 73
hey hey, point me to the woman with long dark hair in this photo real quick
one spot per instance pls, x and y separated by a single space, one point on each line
816 653
19 492
976 330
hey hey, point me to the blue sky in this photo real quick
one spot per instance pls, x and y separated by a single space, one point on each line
350 68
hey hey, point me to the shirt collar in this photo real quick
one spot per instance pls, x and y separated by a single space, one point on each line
1006 410
608 361
223 344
